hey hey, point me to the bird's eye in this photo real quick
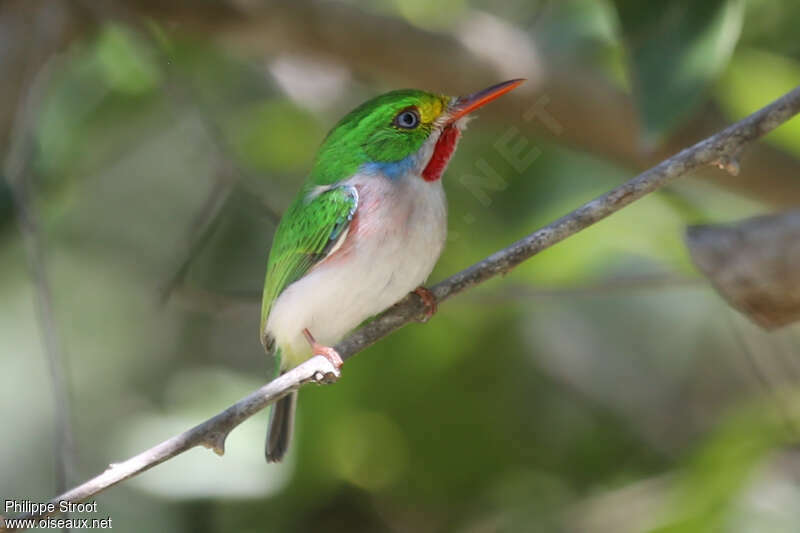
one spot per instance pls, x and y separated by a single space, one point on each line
407 119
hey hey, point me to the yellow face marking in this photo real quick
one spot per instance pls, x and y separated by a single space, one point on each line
430 109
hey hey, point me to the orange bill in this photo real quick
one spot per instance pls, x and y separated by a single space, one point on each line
467 104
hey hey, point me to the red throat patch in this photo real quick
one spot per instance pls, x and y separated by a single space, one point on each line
442 152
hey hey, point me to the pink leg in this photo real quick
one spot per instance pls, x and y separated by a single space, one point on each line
427 297
325 351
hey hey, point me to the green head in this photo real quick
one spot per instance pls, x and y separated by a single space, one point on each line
399 132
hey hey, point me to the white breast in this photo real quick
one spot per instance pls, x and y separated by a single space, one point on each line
393 244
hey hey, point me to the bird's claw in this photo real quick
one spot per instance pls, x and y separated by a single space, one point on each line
429 300
330 354
325 351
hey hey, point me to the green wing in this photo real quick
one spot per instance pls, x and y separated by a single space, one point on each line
307 232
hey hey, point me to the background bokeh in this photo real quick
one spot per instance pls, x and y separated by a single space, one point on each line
602 386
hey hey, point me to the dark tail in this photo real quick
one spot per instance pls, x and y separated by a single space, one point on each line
281 423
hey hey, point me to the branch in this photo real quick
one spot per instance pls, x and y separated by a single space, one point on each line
211 434
720 147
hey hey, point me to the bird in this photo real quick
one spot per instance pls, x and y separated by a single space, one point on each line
366 229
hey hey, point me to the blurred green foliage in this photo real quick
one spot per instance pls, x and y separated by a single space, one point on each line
757 74
676 50
521 404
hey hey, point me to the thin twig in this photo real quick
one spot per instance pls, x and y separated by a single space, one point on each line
17 173
213 432
229 175
201 228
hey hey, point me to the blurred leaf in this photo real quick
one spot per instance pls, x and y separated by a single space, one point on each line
124 63
754 78
275 135
772 25
431 15
73 98
368 450
750 263
721 468
676 49
97 105
575 27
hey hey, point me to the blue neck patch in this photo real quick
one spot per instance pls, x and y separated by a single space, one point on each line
391 169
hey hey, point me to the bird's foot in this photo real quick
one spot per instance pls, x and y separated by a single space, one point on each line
325 351
429 300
